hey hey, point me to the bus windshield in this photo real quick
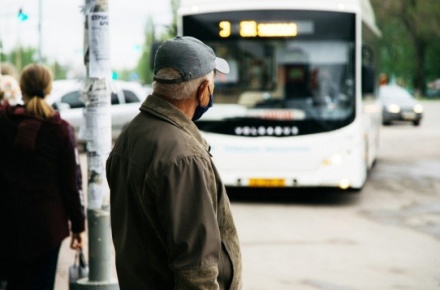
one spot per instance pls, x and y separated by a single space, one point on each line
288 69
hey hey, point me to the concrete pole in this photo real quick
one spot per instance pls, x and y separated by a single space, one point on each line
97 132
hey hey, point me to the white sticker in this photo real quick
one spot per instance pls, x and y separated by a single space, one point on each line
96 123
99 45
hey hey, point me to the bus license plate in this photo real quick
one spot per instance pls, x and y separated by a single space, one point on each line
267 182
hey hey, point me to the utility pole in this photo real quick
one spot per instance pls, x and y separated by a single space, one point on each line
97 131
22 17
40 19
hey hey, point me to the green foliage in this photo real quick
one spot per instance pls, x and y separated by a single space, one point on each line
432 61
154 33
395 47
144 68
59 71
21 57
410 39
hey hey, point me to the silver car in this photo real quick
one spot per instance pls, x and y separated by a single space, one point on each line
126 99
399 105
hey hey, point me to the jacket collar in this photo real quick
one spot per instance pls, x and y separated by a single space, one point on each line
168 112
19 111
28 126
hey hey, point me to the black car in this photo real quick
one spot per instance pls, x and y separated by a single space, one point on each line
399 105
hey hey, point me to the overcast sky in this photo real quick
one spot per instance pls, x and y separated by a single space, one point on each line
63 28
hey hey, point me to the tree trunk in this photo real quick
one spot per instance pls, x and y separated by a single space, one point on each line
407 14
419 76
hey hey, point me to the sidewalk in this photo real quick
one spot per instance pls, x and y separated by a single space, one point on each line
67 255
66 259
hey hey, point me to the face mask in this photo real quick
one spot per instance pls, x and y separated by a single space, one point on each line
200 110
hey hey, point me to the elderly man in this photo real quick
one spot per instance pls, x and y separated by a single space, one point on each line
171 218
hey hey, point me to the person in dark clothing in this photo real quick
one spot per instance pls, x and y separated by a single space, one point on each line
171 218
40 186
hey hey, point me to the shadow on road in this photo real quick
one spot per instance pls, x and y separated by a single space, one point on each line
304 196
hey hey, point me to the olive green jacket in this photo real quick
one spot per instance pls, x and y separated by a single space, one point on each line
171 219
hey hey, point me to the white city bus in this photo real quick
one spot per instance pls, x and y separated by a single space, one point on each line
298 107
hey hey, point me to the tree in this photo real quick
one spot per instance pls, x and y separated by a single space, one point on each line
59 71
395 50
144 67
432 61
21 57
411 32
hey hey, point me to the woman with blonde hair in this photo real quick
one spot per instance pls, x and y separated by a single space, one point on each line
40 186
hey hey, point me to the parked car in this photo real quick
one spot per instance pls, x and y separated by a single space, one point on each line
126 99
399 105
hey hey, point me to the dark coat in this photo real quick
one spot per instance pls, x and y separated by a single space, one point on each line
40 183
171 219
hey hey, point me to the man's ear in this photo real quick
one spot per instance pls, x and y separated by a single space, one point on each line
202 89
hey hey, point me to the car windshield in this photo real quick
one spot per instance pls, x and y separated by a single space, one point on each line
394 94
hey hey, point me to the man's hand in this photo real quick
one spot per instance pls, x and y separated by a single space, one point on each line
76 242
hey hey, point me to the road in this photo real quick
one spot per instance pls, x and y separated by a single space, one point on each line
385 237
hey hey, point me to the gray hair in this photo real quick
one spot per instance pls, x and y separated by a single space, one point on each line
179 91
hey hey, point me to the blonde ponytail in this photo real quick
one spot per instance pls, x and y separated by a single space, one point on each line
38 107
36 84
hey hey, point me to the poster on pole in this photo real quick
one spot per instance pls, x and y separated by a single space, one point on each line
95 122
99 45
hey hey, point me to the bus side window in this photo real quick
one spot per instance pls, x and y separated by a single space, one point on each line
368 71
368 82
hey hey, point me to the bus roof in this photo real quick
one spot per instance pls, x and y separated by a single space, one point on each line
368 17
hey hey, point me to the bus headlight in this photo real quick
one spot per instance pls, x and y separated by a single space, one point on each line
344 183
335 158
393 108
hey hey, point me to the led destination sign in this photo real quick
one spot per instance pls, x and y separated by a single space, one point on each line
251 28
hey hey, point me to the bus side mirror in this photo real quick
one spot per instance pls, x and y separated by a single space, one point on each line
368 79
